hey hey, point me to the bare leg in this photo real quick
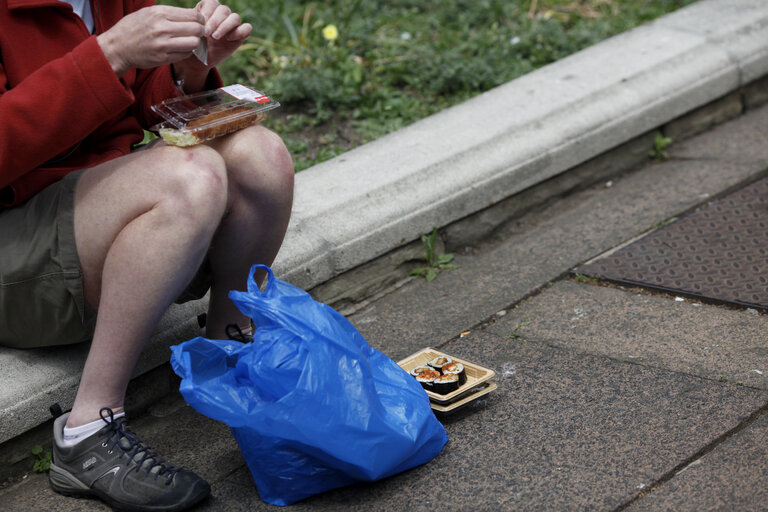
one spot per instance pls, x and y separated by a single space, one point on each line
143 224
260 176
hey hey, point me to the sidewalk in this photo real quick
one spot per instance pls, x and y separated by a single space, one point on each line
608 398
357 218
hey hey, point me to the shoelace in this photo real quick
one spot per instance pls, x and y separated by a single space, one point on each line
117 431
234 332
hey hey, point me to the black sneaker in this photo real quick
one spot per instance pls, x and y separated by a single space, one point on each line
235 333
116 467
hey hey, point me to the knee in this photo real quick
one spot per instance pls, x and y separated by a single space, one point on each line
264 165
195 182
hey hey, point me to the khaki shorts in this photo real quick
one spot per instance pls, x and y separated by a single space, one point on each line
41 284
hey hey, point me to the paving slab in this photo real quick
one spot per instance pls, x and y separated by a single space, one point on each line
547 243
564 431
734 476
681 335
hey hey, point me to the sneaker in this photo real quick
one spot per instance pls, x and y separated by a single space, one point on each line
117 468
235 333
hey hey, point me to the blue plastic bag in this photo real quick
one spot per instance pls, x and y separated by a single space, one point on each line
312 406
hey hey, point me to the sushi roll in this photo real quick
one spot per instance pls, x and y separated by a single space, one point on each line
458 369
421 369
444 384
427 379
438 362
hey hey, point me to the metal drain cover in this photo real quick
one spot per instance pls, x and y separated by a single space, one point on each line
719 252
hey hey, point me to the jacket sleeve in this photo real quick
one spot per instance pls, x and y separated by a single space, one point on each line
54 108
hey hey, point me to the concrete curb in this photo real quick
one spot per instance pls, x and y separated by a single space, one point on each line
378 197
382 195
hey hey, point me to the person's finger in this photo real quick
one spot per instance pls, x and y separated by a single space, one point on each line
172 13
229 24
219 16
186 28
240 33
207 7
183 44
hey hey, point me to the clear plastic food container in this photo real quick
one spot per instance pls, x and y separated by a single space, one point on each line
203 116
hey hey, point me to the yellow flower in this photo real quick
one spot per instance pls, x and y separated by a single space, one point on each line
330 32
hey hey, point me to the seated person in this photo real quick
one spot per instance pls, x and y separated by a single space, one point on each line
97 239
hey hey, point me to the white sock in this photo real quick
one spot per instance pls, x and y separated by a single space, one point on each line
74 435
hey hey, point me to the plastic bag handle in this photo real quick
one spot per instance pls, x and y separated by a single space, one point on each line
253 286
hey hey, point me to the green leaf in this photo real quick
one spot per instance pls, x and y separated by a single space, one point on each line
291 28
42 465
429 244
444 259
43 459
431 274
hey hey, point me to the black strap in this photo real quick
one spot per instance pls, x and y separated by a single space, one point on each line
55 410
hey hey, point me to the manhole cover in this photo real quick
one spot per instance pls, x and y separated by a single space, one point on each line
719 252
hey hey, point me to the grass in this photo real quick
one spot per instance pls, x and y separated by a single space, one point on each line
393 63
515 334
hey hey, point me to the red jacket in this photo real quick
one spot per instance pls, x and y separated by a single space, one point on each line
62 107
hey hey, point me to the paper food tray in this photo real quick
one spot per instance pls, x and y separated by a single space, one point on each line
477 376
470 395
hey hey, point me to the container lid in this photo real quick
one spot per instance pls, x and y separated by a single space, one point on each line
203 110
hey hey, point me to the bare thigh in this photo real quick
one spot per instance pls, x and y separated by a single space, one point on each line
111 195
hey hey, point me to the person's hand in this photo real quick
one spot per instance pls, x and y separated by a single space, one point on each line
155 36
224 29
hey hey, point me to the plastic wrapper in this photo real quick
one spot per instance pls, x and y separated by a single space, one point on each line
203 116
201 52
312 406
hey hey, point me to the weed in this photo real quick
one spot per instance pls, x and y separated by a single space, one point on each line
664 223
726 380
660 145
515 334
435 262
582 278
42 459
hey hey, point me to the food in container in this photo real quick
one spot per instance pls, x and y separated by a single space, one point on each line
421 369
458 369
446 383
477 382
203 116
427 379
438 362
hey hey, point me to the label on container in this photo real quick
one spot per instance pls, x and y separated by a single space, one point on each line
242 92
